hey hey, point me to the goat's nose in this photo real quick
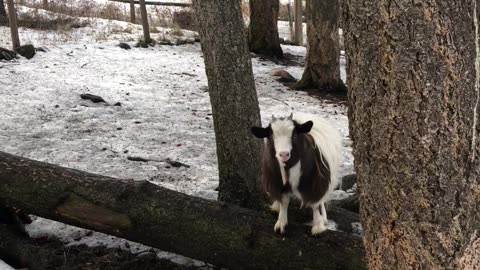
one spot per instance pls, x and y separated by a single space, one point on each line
284 154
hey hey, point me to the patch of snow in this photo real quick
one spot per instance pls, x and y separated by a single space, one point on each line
72 235
4 266
357 228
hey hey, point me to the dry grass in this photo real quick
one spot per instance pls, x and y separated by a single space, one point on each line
37 20
176 31
158 15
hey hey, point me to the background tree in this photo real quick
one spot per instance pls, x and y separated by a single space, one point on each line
298 36
12 18
322 67
132 11
233 98
263 30
3 12
145 26
413 76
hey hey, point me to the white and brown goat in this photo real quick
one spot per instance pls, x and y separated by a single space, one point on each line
301 159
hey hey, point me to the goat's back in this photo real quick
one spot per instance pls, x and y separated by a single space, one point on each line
328 141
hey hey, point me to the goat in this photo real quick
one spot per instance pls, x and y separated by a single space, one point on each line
301 159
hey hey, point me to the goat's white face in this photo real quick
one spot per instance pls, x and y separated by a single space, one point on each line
282 130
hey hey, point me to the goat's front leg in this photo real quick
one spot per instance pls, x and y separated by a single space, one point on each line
318 225
282 215
324 213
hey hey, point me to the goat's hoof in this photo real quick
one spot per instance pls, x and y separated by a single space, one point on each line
318 229
280 227
275 207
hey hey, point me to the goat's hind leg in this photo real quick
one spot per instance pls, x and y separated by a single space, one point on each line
318 225
275 207
282 215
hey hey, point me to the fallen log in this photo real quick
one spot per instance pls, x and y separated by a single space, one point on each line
217 233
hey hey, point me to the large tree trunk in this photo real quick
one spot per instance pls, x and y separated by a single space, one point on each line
218 233
413 75
233 98
145 26
322 67
12 18
263 30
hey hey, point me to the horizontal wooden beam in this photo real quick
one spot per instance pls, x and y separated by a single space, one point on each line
155 3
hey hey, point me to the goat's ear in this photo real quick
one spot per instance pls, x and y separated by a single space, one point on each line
305 127
260 132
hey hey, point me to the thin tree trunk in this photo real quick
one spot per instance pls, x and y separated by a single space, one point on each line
298 23
217 233
45 4
12 18
322 67
290 22
263 29
146 27
132 11
3 12
233 98
413 76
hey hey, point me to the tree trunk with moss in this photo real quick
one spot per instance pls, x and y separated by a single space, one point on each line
263 29
322 66
218 233
233 98
413 76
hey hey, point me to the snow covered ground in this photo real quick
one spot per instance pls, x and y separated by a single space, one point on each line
164 113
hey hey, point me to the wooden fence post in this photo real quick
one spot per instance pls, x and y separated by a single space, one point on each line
12 17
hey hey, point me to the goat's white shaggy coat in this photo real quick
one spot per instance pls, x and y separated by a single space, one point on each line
328 141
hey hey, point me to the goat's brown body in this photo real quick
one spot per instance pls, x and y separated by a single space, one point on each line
315 174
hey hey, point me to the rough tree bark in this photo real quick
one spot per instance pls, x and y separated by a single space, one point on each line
45 4
132 11
233 98
263 30
218 233
12 18
413 75
145 26
322 67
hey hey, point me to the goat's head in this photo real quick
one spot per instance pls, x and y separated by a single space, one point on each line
285 137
